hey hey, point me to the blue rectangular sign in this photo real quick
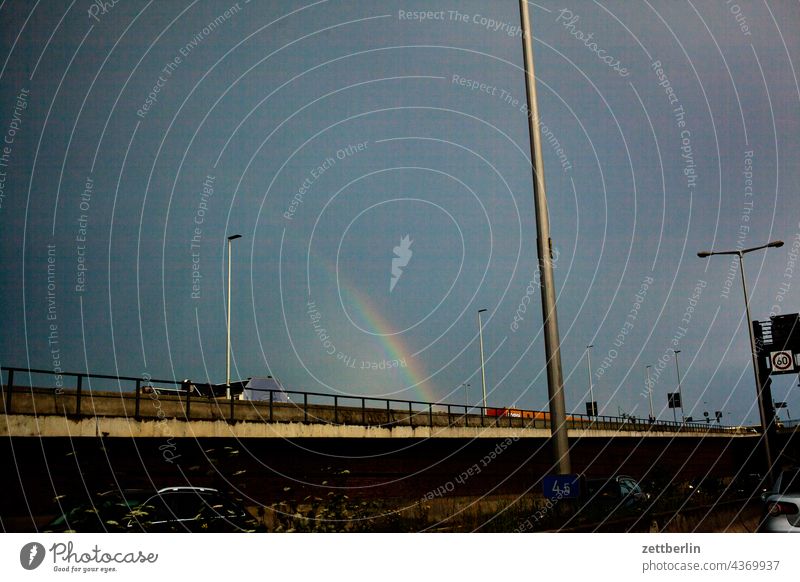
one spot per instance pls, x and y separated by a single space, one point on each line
561 487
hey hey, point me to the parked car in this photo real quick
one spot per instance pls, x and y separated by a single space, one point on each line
782 504
613 493
190 509
747 486
171 509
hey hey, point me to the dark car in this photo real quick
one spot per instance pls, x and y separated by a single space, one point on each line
190 509
172 509
748 485
613 493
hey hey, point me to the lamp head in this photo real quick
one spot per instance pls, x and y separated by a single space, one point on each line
234 236
703 254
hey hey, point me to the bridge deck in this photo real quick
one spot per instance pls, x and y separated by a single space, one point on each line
45 412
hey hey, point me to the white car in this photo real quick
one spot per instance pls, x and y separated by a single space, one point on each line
782 513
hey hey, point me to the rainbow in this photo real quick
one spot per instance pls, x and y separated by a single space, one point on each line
414 374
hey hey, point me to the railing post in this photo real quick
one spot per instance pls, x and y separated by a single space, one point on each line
430 414
410 416
364 411
449 420
305 407
138 399
335 410
481 416
78 395
9 390
189 402
232 413
388 413
270 405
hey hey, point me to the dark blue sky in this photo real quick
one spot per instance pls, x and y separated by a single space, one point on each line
144 134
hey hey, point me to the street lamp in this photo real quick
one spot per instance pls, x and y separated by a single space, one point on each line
483 371
753 355
228 321
544 251
591 384
680 396
650 393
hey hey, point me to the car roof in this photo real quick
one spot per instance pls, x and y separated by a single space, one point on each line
188 488
610 478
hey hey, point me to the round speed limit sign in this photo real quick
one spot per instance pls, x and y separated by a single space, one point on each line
782 361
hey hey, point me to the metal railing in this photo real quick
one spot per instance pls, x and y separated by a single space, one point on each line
299 406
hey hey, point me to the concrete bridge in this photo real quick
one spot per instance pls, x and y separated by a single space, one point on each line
69 443
41 412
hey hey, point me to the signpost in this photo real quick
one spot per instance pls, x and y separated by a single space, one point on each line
591 408
557 487
782 361
777 347
673 402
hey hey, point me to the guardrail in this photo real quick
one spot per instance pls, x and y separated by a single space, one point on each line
307 407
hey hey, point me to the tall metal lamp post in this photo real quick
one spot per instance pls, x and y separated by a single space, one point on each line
483 370
591 383
680 394
753 352
650 393
228 322
544 250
